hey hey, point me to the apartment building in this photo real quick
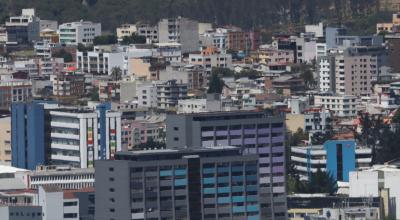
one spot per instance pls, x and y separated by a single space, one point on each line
43 48
14 90
146 93
317 120
63 136
211 57
101 61
393 46
194 76
148 31
80 32
274 56
169 92
217 39
257 133
207 183
68 85
126 30
339 105
5 140
21 212
336 157
239 40
23 29
180 30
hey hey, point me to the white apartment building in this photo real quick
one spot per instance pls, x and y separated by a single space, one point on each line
179 30
339 105
126 30
195 77
101 61
321 50
316 29
64 178
146 94
210 58
375 181
75 136
79 32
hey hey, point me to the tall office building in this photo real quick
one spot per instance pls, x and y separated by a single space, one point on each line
45 134
195 184
256 133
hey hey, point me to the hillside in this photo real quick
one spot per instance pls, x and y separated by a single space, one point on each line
244 13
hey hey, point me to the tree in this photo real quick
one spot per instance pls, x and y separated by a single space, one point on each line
94 94
319 138
321 182
396 117
215 84
63 54
307 75
134 39
223 72
83 48
251 74
105 40
116 74
297 137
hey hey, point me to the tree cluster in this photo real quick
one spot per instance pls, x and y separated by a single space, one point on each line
105 40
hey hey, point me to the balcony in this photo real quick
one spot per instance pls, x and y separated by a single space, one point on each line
65 158
65 136
236 142
65 146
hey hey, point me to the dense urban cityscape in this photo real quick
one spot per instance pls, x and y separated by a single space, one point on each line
187 120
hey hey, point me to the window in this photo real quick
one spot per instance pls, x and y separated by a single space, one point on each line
176 129
111 169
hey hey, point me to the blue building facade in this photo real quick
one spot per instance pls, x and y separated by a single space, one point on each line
28 135
102 110
341 158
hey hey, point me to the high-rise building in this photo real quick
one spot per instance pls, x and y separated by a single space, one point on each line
44 134
204 183
256 133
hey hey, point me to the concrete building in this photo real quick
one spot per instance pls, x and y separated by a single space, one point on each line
171 52
80 32
378 181
194 76
5 140
243 41
340 106
68 85
217 39
146 93
316 29
14 90
206 183
169 92
336 157
317 120
209 58
101 60
61 177
274 56
126 30
23 29
148 31
180 30
21 212
259 133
